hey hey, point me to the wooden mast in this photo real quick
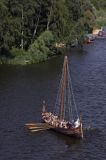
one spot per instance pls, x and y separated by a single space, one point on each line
63 85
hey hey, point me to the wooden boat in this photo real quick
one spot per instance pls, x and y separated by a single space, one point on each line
64 118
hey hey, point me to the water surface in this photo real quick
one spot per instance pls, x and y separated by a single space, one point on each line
22 90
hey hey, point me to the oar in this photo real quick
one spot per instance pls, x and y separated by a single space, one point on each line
34 124
37 125
34 127
36 130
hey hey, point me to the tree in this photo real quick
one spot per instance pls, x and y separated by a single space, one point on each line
82 18
43 47
22 22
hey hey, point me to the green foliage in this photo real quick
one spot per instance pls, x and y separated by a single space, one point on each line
101 18
29 28
100 22
100 7
59 22
82 16
16 52
101 4
43 47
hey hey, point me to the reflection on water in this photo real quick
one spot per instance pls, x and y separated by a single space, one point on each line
68 141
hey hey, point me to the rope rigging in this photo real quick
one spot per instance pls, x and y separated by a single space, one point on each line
69 106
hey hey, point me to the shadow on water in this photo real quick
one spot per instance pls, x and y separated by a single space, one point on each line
90 134
67 140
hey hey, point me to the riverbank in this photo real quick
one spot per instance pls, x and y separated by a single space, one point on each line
26 59
42 49
40 53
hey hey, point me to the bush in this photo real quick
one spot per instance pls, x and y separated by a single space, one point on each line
16 52
43 47
101 18
39 51
20 54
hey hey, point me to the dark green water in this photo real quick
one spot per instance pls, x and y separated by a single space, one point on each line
22 89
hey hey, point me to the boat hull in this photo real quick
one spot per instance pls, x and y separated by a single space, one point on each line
75 132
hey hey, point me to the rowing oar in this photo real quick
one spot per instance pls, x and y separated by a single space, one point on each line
28 125
35 124
36 130
35 127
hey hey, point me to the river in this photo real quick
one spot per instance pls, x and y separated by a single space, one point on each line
22 90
